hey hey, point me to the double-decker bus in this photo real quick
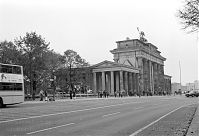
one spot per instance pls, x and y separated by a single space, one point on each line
11 84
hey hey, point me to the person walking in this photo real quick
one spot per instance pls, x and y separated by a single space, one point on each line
74 93
41 93
46 95
115 94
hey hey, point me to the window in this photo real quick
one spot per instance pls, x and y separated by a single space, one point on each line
16 70
11 87
10 69
6 69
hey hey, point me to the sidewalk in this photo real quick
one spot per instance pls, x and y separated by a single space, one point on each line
76 99
61 100
93 98
194 127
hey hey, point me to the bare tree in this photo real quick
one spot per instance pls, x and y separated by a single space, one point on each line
189 15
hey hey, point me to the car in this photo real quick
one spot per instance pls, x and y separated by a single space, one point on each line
28 96
194 93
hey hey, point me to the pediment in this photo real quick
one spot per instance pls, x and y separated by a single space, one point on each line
128 63
111 66
105 64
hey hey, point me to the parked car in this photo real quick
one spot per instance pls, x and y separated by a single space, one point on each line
194 93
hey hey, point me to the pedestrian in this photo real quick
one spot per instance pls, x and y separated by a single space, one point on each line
71 95
74 93
104 93
101 94
41 95
33 96
115 94
98 94
107 94
46 95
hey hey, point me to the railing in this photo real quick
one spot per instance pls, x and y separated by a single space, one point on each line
76 95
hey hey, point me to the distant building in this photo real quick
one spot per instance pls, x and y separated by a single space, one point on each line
190 86
196 84
175 87
167 84
193 86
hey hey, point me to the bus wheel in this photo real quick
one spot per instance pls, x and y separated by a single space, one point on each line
1 103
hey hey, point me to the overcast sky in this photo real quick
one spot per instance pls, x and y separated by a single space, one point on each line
91 28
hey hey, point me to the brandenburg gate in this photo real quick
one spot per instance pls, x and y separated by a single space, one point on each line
138 68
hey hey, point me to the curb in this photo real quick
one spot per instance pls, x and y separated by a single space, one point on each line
194 127
84 99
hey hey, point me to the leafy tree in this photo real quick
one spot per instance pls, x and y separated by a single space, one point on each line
9 53
52 63
33 47
189 15
73 60
70 61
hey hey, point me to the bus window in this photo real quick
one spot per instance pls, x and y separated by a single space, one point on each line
10 69
18 87
16 70
6 69
11 87
6 86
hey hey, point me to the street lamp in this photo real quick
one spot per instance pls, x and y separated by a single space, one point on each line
53 79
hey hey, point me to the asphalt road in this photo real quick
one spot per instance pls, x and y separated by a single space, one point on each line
95 117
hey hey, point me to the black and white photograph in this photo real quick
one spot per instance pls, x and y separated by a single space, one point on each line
99 68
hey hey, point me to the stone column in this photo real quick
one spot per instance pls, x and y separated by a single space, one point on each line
121 81
141 79
108 81
112 82
131 82
158 78
155 78
162 77
117 81
137 84
126 82
95 83
150 76
103 81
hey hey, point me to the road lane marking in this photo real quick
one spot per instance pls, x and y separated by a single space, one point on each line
110 114
49 128
138 108
140 130
60 113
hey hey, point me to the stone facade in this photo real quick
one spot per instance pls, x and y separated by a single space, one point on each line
167 85
145 57
138 68
114 78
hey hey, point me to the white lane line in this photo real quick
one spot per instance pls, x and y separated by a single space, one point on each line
139 130
60 113
138 108
110 114
49 128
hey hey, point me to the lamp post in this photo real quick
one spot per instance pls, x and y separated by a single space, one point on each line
53 79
